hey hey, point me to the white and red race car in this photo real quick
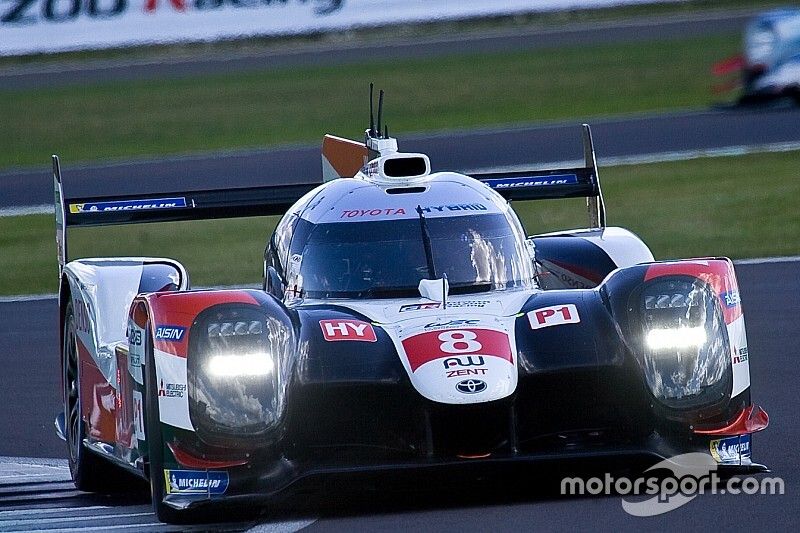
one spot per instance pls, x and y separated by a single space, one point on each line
406 322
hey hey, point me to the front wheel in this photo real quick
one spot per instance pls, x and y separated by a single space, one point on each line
90 473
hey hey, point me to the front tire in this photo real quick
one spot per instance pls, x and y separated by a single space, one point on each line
90 473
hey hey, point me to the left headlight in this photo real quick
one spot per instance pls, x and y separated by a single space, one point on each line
234 367
684 342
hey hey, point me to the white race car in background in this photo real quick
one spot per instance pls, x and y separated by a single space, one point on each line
770 64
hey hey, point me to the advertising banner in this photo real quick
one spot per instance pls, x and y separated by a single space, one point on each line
34 26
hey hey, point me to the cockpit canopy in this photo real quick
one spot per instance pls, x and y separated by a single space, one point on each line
357 240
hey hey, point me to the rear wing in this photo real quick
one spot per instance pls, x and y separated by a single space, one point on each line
166 207
340 158
580 182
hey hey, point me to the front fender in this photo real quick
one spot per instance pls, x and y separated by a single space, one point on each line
227 405
102 289
687 314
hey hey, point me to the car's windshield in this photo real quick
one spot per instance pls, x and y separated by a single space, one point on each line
387 258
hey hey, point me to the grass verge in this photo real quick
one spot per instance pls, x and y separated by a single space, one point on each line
159 117
740 207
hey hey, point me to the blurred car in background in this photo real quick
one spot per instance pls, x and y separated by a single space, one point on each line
770 64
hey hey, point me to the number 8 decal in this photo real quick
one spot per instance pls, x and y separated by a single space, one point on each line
428 346
464 343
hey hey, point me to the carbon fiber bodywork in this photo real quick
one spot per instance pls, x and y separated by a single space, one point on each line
351 407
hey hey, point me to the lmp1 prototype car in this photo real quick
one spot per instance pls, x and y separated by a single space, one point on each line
406 323
770 65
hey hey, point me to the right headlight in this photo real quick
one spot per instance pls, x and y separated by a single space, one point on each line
235 381
684 342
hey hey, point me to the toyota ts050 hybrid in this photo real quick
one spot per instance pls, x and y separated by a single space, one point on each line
406 323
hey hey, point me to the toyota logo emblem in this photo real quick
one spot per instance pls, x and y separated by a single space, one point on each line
471 386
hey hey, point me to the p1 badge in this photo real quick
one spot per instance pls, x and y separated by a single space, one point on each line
554 315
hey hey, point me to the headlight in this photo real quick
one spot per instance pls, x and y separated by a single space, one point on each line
672 339
685 348
233 365
235 382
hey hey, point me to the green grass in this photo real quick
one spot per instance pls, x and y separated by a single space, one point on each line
739 207
149 118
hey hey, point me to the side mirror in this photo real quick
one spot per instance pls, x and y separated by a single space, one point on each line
273 283
530 247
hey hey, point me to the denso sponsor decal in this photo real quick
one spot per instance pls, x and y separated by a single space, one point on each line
456 343
195 482
731 449
347 330
170 333
531 181
554 315
128 205
731 298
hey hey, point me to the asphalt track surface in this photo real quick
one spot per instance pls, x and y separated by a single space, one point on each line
35 494
458 151
30 397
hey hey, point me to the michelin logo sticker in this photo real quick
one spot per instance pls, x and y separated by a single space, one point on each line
128 205
195 482
530 181
731 450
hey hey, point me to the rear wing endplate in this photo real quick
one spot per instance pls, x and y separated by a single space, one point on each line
580 182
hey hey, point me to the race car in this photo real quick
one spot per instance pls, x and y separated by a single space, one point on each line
406 323
769 69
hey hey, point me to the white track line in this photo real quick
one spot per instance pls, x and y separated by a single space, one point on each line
645 159
282 527
52 510
53 296
642 159
27 298
39 520
41 209
766 260
101 528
